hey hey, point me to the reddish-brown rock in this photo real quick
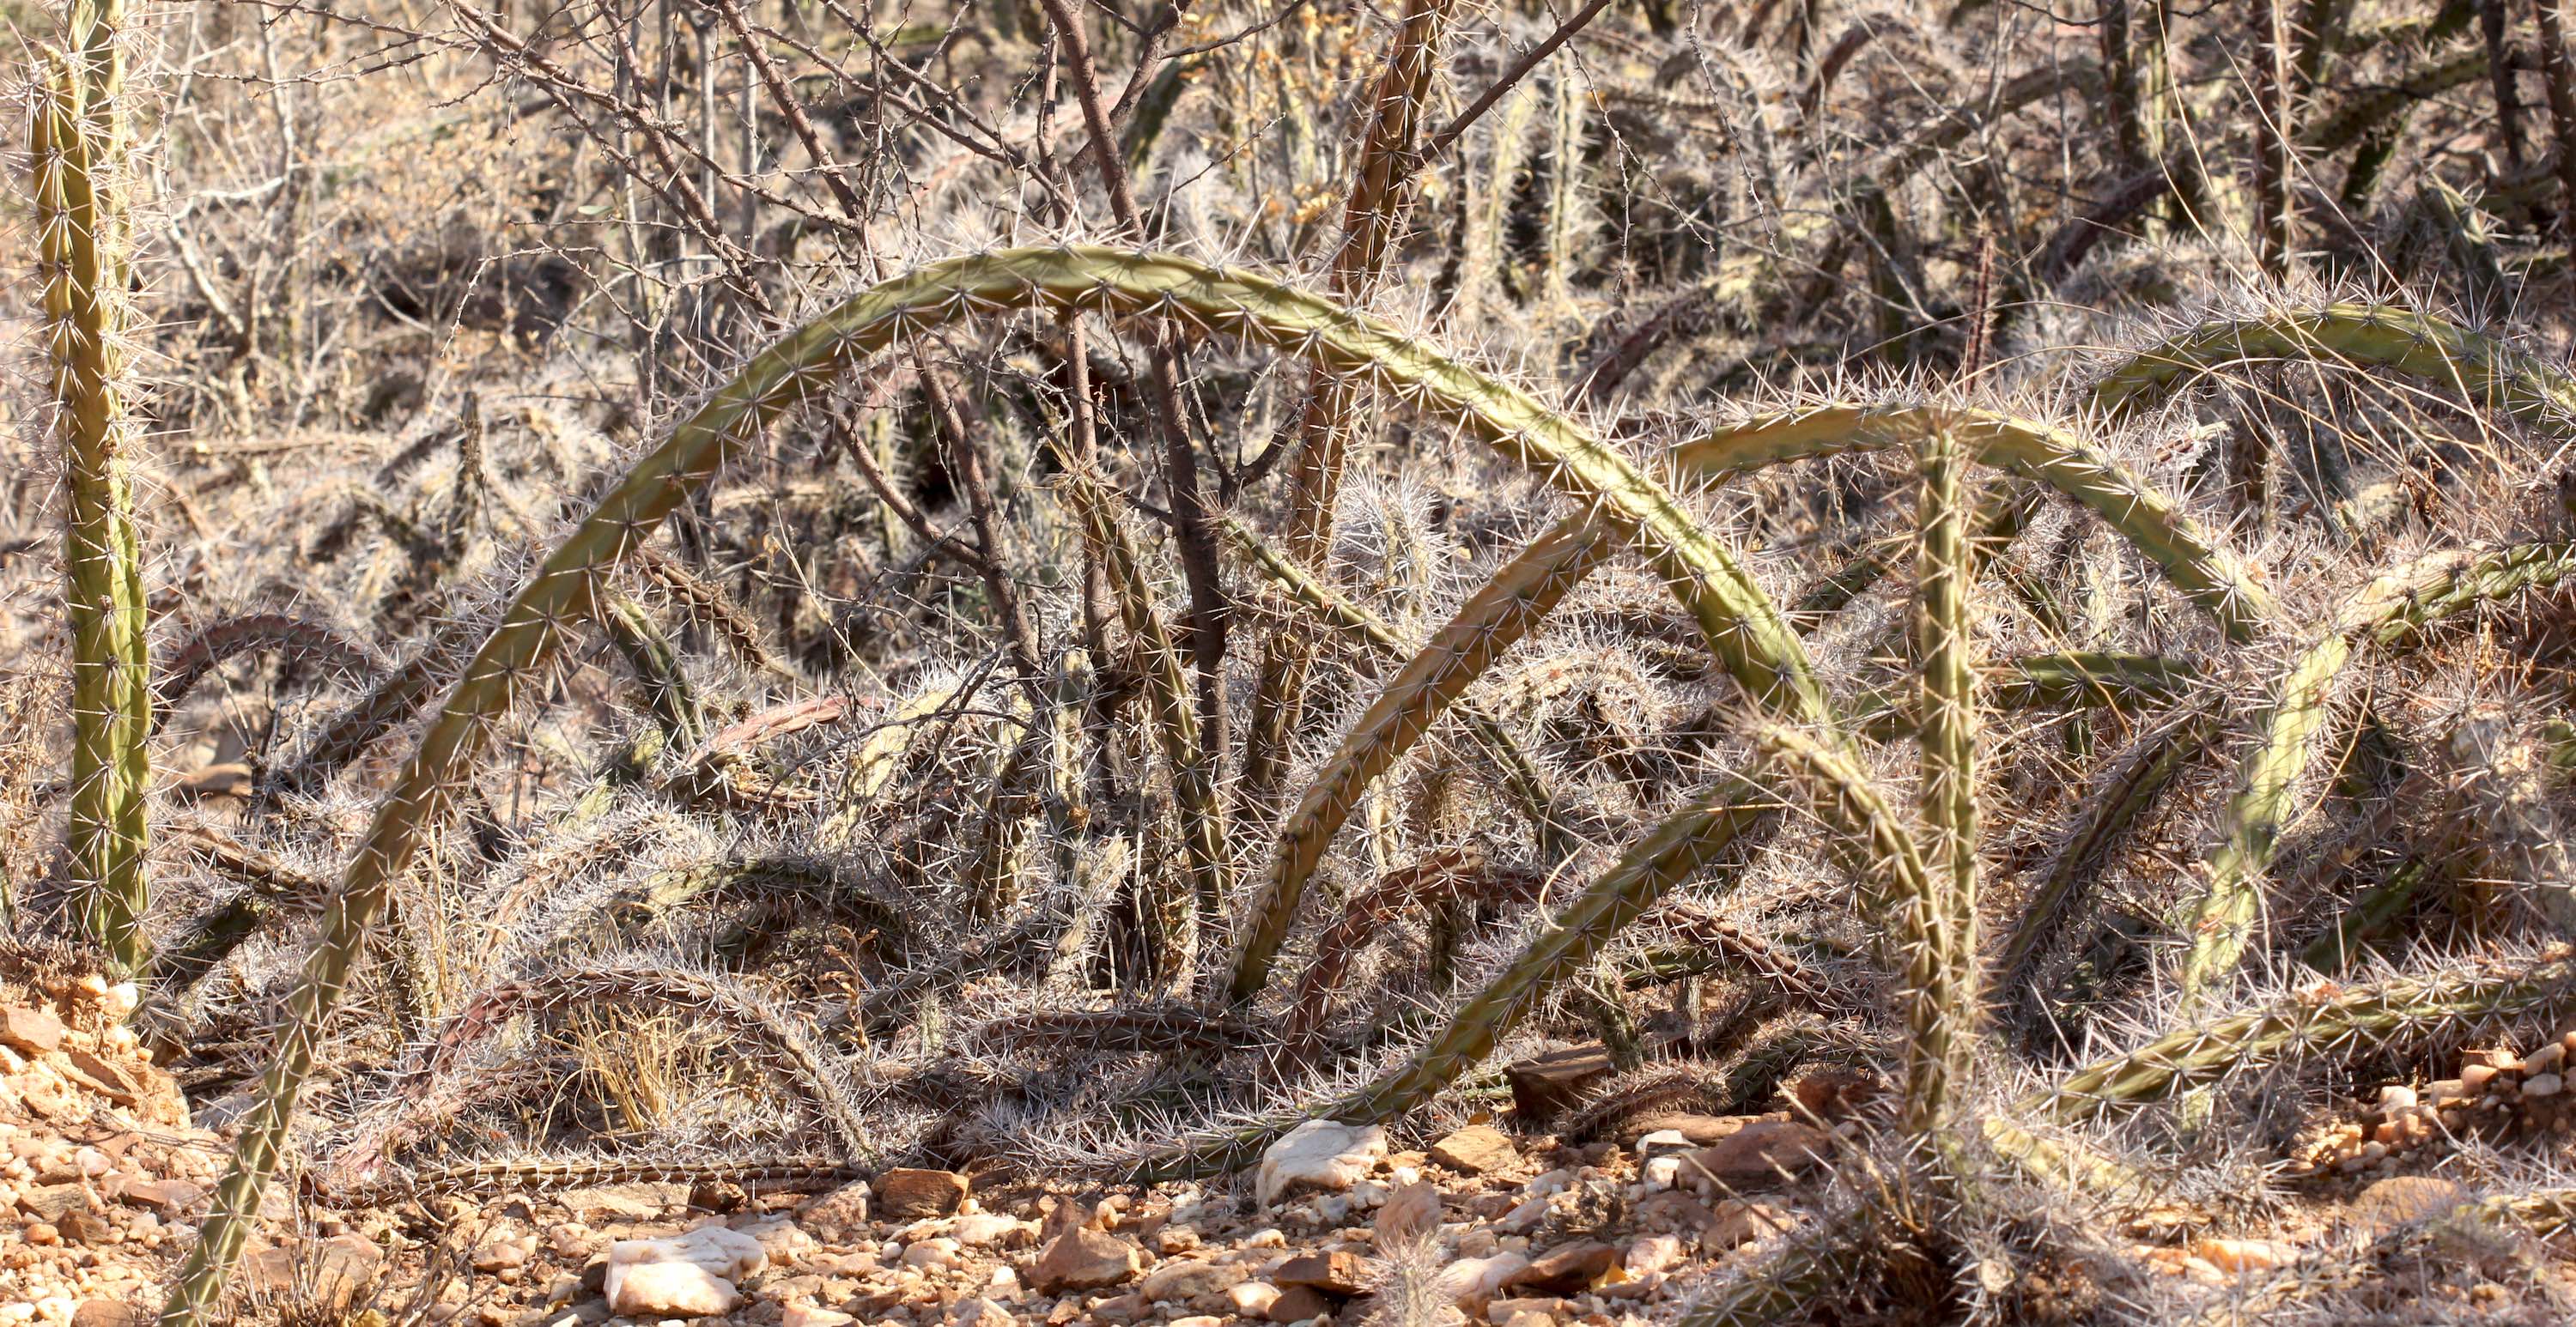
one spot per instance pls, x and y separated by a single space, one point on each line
1335 1273
1759 1153
906 1195
1566 1269
1084 1259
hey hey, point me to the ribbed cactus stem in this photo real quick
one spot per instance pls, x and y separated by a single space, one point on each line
2344 1021
2431 350
1176 728
1945 923
79 137
2394 604
1371 217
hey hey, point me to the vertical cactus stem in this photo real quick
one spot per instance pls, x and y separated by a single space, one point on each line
2270 53
78 132
1182 923
1371 216
2559 85
2221 922
1910 900
1946 923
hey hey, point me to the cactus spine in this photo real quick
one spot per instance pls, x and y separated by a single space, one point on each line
79 148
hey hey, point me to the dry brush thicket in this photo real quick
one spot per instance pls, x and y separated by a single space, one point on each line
736 586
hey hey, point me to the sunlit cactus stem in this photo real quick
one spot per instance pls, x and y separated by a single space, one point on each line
1945 922
77 135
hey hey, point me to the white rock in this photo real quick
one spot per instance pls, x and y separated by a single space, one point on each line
808 1315
668 1290
939 1252
1473 1282
2396 1099
1663 1140
1319 1154
1552 1182
1662 1172
1331 1209
1368 1195
1524 1218
688 1276
1253 1299
2543 1085
1652 1254
989 1230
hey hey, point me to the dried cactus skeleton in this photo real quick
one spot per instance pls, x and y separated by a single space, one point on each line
1952 539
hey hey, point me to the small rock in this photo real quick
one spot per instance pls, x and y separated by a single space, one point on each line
1476 1150
1529 1311
106 1077
1661 1172
1297 1304
1524 1218
977 1311
902 1195
30 1030
1252 1299
1412 1212
1475 1281
1568 1268
993 1230
808 1315
1760 1153
1084 1259
1737 1221
1196 1320
1319 1154
1180 1282
2543 1085
843 1211
1652 1254
110 1313
940 1252
1663 1140
50 1201
1335 1273
669 1290
167 1197
2243 1255
1694 1130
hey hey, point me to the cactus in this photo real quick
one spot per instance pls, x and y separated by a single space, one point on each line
1944 921
2394 605
1741 623
2348 1019
78 161
2428 349
1371 217
1176 727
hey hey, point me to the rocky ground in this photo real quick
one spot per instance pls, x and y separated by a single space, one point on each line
107 1177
